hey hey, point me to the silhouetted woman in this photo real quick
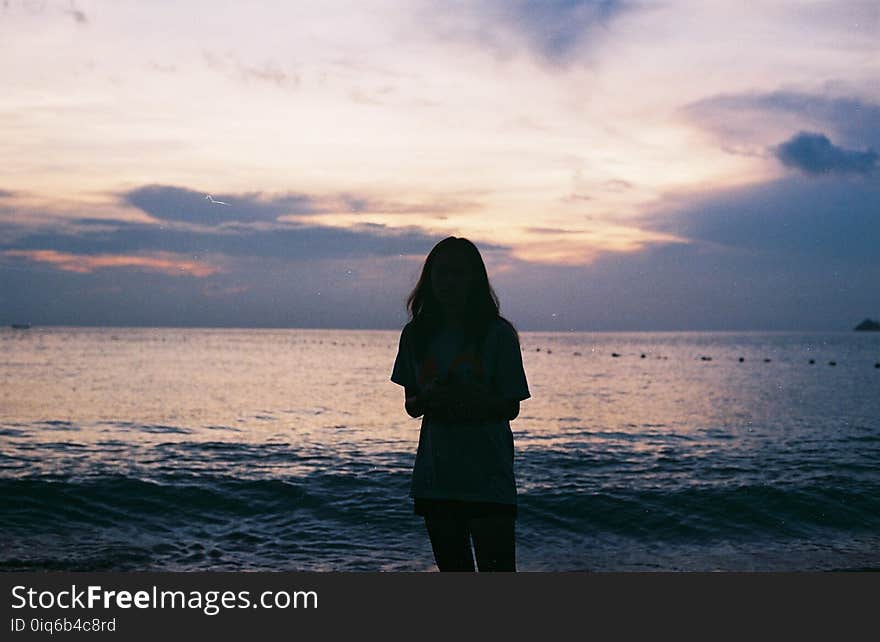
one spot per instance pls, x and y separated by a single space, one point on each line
460 363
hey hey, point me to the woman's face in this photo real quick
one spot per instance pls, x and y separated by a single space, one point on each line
451 278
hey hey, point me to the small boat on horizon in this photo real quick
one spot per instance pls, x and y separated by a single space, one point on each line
20 326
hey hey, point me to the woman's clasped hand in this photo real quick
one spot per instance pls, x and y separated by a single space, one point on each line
455 401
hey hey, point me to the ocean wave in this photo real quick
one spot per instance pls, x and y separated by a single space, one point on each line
54 502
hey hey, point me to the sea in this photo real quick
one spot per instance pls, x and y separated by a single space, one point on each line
192 449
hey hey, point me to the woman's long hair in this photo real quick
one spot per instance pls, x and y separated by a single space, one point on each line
481 309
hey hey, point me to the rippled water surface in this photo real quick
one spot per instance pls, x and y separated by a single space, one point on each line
225 449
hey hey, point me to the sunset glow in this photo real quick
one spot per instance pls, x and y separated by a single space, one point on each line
561 134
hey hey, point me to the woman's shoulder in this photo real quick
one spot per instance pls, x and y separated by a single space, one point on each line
409 328
406 334
412 332
503 327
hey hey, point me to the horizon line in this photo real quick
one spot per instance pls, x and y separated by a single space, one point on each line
374 329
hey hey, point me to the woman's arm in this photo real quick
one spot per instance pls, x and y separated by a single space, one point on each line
474 403
415 402
485 405
457 402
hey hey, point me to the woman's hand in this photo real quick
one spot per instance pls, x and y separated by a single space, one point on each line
428 393
438 395
455 401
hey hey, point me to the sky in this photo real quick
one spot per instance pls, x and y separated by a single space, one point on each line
655 165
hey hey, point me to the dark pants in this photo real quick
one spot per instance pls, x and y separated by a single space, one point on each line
492 535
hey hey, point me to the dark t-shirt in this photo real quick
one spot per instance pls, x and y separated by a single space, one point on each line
474 461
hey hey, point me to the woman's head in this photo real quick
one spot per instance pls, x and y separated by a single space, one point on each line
453 277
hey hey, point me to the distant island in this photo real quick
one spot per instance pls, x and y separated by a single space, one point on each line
869 325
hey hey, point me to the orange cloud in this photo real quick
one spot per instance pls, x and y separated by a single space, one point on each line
85 263
582 247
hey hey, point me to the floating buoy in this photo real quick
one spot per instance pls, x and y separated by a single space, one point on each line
614 354
706 358
812 361
766 360
643 355
577 354
877 365
549 351
832 363
741 359
537 349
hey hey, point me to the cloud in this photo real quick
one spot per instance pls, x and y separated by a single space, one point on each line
555 31
803 219
216 290
698 287
797 253
617 185
439 208
77 14
550 230
165 69
87 263
267 72
358 292
665 287
814 154
755 118
172 203
289 241
192 228
242 273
